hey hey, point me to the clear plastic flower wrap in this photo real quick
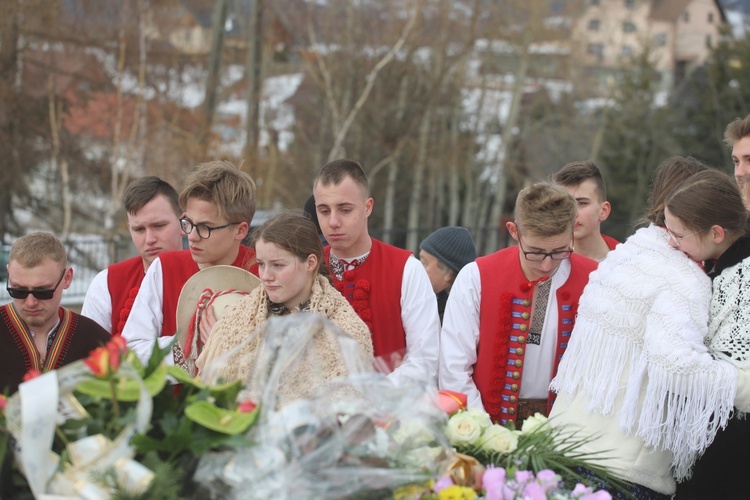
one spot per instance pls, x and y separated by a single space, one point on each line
353 435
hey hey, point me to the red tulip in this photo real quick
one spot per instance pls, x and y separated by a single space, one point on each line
246 406
3 402
99 362
450 402
31 374
116 348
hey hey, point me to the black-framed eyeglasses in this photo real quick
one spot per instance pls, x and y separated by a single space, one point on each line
204 230
22 293
540 256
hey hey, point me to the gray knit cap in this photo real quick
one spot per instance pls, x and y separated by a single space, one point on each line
453 245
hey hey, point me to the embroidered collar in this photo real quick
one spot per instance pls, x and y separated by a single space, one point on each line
340 266
56 339
282 310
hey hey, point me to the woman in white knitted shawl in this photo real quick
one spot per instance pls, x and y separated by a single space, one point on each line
290 266
637 379
709 207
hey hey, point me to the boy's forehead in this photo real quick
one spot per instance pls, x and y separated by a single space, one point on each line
346 191
585 189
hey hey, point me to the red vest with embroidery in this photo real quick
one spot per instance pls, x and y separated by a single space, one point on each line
177 268
374 291
504 319
123 281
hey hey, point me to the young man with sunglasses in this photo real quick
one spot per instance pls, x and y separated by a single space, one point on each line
153 211
510 314
35 331
219 205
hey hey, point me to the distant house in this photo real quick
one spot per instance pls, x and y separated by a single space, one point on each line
679 33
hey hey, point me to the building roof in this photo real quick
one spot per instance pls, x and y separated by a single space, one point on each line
670 10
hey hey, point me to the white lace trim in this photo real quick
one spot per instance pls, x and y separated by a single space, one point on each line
729 329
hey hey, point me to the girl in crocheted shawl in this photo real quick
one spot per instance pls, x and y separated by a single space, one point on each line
707 221
637 379
293 279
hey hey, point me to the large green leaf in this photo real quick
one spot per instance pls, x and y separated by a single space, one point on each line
220 419
127 389
229 389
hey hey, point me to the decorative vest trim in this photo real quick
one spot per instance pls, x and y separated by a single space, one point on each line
25 341
123 282
504 319
374 291
177 268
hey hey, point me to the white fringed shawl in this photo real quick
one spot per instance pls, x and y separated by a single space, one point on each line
641 324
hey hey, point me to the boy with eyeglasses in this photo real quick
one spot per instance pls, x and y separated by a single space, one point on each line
510 314
219 204
153 210
35 331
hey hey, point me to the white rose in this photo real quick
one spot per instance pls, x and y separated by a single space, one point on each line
499 439
481 417
414 432
424 457
463 429
533 423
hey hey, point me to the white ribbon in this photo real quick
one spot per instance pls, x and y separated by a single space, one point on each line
32 415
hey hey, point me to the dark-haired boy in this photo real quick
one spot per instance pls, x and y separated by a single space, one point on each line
153 211
585 183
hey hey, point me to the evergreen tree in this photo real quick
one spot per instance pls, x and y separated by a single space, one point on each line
637 136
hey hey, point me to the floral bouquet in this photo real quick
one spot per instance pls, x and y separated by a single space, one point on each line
357 435
537 461
498 484
107 426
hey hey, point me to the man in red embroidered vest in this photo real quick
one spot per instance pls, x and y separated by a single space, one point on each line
510 314
35 332
387 286
585 183
153 211
219 205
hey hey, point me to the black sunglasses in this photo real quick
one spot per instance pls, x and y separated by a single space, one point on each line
22 293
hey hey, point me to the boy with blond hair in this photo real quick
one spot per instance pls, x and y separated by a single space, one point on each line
510 314
219 205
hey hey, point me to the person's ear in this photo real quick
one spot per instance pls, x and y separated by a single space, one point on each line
312 262
512 229
605 211
369 203
718 234
68 279
242 229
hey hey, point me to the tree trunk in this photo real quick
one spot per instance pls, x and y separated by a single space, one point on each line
390 208
412 239
508 131
254 79
117 158
214 67
60 164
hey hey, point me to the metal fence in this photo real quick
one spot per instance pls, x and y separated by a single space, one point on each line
89 254
86 255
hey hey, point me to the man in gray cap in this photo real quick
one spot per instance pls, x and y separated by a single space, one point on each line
443 253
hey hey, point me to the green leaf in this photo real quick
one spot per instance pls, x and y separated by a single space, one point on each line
227 390
127 389
220 419
157 356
